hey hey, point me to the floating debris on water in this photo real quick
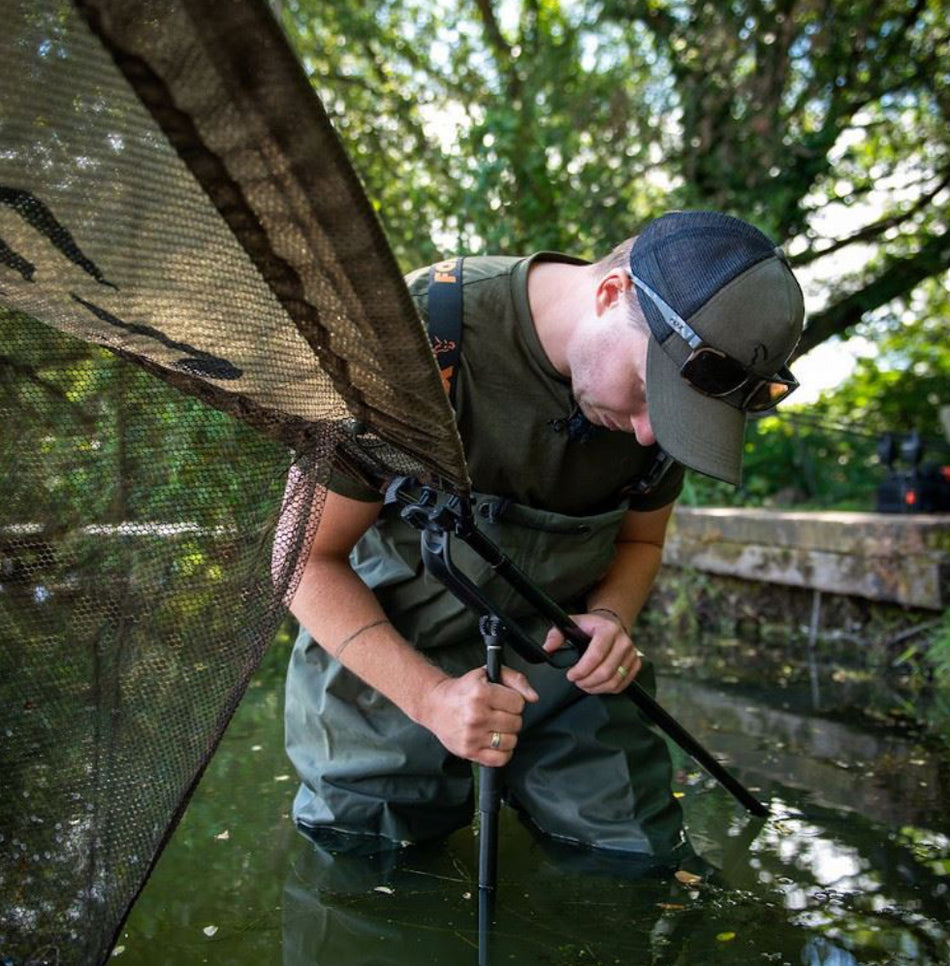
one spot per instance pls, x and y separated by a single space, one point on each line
687 878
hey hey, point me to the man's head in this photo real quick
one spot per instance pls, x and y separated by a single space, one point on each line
714 314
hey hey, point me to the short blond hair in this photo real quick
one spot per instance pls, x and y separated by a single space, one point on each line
619 257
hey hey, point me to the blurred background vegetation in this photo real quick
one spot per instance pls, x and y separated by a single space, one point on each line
517 125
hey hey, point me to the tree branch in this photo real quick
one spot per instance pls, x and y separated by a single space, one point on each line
876 228
24 371
502 49
898 278
404 109
452 85
496 38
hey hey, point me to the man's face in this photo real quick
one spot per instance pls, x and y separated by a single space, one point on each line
607 359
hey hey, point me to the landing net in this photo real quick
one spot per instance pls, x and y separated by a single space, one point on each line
195 296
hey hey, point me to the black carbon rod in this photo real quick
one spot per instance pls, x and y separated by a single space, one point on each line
550 609
438 523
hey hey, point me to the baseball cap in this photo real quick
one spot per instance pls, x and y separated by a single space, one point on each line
735 290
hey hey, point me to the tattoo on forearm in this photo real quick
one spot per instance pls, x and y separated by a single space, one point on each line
355 634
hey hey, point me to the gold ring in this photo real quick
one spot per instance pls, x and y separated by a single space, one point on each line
622 671
495 739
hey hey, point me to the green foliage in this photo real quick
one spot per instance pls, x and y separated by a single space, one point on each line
466 139
908 378
798 461
536 124
540 124
938 652
111 441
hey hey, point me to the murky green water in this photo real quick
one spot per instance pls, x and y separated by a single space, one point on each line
853 867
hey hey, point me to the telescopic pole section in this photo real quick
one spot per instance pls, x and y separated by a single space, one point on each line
489 802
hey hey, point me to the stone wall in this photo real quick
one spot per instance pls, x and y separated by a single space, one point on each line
902 559
790 598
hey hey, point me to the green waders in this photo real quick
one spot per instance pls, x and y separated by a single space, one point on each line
587 768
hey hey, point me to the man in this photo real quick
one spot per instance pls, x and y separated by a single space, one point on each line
569 375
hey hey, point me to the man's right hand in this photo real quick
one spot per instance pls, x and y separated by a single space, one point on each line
332 602
464 713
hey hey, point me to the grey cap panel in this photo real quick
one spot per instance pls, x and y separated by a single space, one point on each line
702 433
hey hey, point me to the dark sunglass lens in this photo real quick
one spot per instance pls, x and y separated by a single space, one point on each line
765 396
709 371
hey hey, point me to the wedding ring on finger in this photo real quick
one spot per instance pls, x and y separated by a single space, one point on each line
495 740
622 671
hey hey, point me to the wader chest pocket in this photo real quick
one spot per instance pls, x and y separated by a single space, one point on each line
504 511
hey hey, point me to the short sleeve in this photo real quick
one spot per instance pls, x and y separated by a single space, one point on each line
345 485
669 489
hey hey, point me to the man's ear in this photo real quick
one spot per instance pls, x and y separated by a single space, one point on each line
611 289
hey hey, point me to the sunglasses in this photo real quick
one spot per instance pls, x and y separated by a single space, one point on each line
714 373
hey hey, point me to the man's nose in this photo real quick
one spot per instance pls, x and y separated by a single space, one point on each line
643 430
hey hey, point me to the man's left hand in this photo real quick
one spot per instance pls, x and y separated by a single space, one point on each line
611 660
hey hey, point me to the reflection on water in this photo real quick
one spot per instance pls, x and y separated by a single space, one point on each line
852 867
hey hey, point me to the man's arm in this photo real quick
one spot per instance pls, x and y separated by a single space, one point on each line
345 618
613 605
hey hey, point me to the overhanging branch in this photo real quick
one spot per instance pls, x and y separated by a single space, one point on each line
875 229
899 277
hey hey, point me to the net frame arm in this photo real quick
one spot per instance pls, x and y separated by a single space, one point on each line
439 521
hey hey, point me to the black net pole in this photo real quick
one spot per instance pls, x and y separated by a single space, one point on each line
489 803
437 522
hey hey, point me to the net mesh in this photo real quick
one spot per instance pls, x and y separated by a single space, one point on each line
173 204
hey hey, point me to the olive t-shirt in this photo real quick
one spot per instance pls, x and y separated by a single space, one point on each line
512 406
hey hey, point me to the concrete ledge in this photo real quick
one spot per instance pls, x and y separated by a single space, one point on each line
897 558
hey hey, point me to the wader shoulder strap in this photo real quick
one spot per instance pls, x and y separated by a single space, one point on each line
445 319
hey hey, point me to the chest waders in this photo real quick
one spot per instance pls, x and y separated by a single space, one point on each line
588 769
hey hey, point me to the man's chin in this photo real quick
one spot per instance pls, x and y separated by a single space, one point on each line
600 418
591 415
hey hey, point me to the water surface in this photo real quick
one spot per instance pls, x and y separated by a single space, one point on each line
852 867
